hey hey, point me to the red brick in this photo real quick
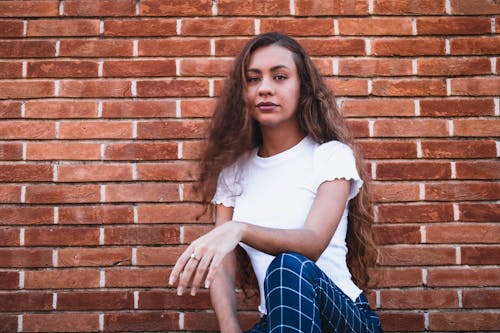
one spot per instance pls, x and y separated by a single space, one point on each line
453 26
20 257
377 26
26 89
480 255
11 151
192 233
170 300
8 280
475 86
463 233
468 7
29 8
10 109
184 8
408 46
302 27
95 88
101 256
142 235
138 109
324 66
61 109
26 215
98 172
27 130
172 88
217 27
10 194
396 234
132 68
478 170
139 27
61 322
11 28
388 149
392 7
192 149
205 67
173 213
410 128
27 48
466 321
62 69
462 276
96 48
27 301
359 128
458 148
143 321
397 213
402 321
333 46
191 194
141 151
323 8
25 172
62 236
418 299
177 171
457 107
99 7
413 255
479 212
9 236
413 170
476 127
453 66
95 300
462 191
95 130
74 27
95 215
62 151
11 70
62 193
158 256
481 298
192 129
61 279
348 87
409 87
253 7
174 47
134 277
197 107
394 192
229 46
475 45
395 277
375 67
8 323
142 192
377 107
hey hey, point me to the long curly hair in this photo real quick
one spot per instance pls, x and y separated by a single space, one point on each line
233 132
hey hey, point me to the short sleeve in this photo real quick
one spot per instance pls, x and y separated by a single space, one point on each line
335 160
225 193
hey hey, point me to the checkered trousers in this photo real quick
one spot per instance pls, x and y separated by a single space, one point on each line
301 298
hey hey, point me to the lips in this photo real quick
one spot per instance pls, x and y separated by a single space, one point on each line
266 106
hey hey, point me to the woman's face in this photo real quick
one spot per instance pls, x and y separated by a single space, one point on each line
273 87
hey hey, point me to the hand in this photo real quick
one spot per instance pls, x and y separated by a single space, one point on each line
204 255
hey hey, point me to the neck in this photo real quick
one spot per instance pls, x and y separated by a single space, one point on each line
277 140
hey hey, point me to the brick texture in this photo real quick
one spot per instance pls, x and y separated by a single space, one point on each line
104 106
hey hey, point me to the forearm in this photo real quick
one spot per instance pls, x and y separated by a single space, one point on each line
223 295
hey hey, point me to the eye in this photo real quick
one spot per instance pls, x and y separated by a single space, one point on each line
253 79
280 77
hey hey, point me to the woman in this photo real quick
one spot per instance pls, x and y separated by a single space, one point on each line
286 188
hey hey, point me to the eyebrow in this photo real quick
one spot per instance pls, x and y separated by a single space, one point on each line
274 68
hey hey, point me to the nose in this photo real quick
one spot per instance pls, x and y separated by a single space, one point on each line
266 87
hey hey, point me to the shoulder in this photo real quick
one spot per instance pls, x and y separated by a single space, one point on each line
333 149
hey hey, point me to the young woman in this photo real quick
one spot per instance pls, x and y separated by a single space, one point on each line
286 187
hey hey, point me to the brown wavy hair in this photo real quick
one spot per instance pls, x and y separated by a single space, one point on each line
233 132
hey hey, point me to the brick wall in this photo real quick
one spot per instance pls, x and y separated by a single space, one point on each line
103 108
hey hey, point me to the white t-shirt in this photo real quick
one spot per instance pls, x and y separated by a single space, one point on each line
278 192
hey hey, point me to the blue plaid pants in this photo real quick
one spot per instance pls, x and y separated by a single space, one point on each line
301 298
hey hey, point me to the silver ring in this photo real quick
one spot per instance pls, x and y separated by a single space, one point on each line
193 256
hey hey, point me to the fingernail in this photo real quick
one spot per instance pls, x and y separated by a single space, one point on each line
207 284
180 291
171 280
193 291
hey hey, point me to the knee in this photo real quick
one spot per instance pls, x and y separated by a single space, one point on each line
288 261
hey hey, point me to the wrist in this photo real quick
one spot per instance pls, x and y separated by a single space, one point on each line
241 230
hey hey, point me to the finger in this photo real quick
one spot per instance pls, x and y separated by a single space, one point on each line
217 259
179 265
201 272
186 276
